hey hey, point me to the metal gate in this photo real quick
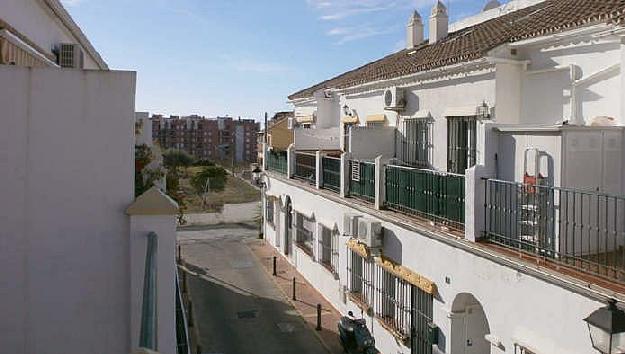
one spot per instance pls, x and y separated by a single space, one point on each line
461 143
421 304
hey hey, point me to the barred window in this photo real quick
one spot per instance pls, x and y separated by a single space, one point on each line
461 143
401 307
269 210
304 235
329 248
415 142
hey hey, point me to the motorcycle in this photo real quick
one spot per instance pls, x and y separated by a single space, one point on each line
355 336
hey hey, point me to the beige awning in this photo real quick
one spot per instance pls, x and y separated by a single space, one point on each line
350 119
376 118
358 247
305 119
406 274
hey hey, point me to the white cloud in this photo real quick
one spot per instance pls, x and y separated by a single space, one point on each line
251 66
70 3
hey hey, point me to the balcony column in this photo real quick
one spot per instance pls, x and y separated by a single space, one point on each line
290 161
345 157
380 183
319 169
264 157
474 210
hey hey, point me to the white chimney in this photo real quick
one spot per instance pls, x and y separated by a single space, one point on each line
414 31
439 23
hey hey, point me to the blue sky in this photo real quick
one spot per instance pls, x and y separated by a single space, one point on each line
242 57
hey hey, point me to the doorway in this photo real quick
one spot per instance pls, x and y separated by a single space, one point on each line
469 326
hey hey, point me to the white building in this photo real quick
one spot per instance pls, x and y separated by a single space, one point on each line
76 254
465 194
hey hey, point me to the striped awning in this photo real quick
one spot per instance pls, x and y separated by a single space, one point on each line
465 111
350 119
14 51
376 118
305 119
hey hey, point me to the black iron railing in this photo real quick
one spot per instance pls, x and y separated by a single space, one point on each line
306 167
582 229
331 167
437 196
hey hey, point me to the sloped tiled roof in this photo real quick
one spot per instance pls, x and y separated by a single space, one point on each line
471 43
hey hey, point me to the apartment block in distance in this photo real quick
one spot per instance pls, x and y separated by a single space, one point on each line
218 138
465 194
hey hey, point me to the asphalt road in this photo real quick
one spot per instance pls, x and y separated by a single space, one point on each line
237 307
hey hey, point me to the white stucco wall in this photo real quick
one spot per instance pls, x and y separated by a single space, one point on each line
37 22
66 177
520 307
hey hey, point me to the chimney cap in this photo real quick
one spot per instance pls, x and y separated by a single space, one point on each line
439 9
492 4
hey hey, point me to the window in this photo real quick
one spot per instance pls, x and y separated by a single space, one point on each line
401 307
304 235
415 142
329 249
269 211
461 143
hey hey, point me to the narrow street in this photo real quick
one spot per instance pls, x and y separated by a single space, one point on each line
238 308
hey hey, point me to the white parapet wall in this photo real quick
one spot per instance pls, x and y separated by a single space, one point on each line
523 305
67 176
317 138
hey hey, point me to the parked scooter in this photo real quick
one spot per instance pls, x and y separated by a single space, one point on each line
355 336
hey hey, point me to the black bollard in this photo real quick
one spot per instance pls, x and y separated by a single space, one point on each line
318 317
293 288
275 271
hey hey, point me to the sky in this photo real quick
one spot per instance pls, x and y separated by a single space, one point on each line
243 57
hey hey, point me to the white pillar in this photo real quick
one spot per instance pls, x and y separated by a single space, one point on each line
622 120
380 183
155 212
264 157
474 211
345 157
290 161
318 169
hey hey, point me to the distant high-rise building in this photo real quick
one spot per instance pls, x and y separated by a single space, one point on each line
218 138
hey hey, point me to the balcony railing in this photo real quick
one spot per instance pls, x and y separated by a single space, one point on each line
331 171
305 167
581 229
276 161
433 195
362 180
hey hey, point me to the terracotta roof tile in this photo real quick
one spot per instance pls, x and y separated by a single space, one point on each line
471 43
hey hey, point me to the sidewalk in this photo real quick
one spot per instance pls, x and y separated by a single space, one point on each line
307 297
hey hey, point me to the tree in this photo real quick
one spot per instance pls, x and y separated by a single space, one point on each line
216 177
177 158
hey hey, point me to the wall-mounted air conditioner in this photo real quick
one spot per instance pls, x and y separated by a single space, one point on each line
350 225
394 99
370 233
69 55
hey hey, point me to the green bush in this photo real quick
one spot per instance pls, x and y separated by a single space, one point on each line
217 177
173 159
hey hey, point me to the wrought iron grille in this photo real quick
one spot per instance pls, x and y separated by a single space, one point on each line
433 195
362 180
305 167
581 229
304 234
331 167
276 161
421 304
329 249
415 142
269 210
461 143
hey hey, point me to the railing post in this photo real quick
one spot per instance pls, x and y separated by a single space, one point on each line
319 169
290 161
474 202
345 157
380 183
264 157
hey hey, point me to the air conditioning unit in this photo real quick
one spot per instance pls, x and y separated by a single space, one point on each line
394 99
69 55
370 233
350 225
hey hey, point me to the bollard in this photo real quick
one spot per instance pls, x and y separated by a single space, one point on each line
199 350
184 282
318 317
179 253
275 272
293 288
190 318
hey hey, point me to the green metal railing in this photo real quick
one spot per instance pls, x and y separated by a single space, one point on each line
362 180
306 167
149 319
276 161
331 170
437 196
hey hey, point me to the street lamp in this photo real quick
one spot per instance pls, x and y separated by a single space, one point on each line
607 329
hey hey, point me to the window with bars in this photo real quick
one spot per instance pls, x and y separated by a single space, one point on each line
269 211
415 142
403 308
461 143
329 249
304 235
